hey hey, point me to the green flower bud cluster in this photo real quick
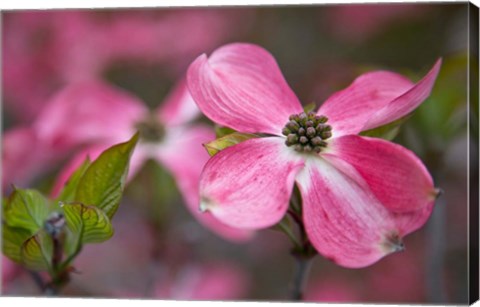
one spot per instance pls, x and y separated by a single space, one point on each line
307 132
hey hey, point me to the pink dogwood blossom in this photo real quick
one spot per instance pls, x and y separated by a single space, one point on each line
95 115
361 195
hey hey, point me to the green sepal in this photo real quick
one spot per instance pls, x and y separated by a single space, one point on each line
102 183
387 132
69 190
285 226
309 107
221 131
219 144
37 252
26 209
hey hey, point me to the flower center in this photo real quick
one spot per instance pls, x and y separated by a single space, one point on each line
307 132
150 130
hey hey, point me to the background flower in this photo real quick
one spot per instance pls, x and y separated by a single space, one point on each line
108 116
44 50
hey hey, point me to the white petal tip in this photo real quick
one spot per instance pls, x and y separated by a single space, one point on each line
205 205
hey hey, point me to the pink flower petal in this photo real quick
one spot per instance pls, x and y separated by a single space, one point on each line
249 185
408 222
345 222
375 99
241 86
395 175
87 112
9 270
184 156
178 107
406 103
349 109
24 156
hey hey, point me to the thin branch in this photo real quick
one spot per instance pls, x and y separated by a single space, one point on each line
300 276
38 280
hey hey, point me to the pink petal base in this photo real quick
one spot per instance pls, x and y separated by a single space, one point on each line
395 175
249 184
345 222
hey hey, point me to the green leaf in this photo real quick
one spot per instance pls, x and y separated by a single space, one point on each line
103 182
37 252
68 192
26 209
85 224
219 144
388 131
12 241
88 224
309 107
223 131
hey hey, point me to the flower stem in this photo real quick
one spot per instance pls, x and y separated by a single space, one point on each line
300 276
303 251
288 231
48 288
38 280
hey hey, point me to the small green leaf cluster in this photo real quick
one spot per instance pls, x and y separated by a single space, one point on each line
226 137
45 234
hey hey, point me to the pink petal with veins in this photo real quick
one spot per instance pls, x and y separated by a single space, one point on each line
184 156
241 86
407 102
344 221
411 221
395 175
249 184
375 99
